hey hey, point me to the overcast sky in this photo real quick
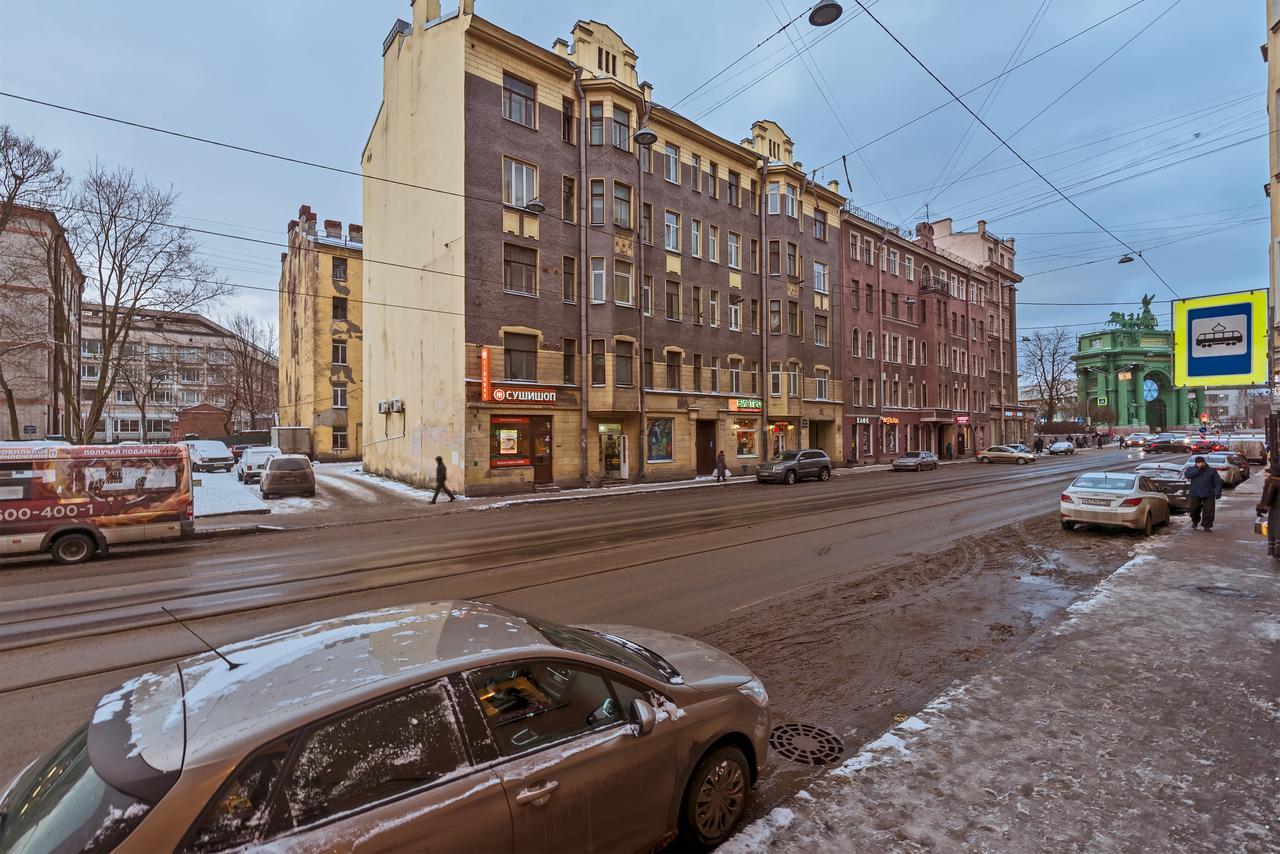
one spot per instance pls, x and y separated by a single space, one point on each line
304 79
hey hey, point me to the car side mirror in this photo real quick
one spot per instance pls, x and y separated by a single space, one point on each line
646 716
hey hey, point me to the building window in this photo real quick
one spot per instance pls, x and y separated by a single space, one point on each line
713 244
569 273
519 269
713 308
658 445
793 260
775 379
339 440
339 269
909 267
339 352
646 223
189 376
673 301
127 425
713 180
339 308
623 356
735 376
595 122
157 425
715 373
790 195
124 395
697 305
597 280
88 371
753 318
621 128
671 164
911 351
647 367
567 125
597 201
695 238
871 392
821 284
869 351
672 222
854 243
893 262
868 251
773 197
185 354
90 348
695 172
893 305
820 330
569 199
519 182
755 377
855 343
517 100
822 383
855 391
597 362
775 257
569 349
735 180
646 296
793 379
793 317
735 312
520 356
735 251
673 370
621 205
775 316
819 224
339 395
895 349
754 255
622 292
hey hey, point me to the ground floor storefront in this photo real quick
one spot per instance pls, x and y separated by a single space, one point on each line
881 438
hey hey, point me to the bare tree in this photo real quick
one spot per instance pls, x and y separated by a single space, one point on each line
30 269
1047 367
250 374
135 261
145 374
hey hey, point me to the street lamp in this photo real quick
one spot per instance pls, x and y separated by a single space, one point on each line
1125 259
825 13
644 136
535 206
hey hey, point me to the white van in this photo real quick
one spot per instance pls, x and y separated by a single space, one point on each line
209 455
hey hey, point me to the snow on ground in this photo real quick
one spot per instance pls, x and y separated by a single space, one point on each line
387 483
219 493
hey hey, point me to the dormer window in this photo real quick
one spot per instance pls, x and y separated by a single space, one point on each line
607 61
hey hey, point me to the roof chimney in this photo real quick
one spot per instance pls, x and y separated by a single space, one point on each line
833 186
293 223
982 226
333 228
355 233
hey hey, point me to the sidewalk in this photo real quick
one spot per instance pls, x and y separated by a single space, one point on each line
1148 720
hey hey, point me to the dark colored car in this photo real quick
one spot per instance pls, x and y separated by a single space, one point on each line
1169 479
1167 443
238 450
1207 446
790 466
288 474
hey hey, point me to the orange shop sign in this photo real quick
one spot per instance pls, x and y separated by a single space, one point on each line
485 389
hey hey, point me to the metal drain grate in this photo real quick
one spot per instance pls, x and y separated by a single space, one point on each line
806 744
1219 590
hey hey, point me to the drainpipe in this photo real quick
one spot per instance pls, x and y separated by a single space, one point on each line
644 416
584 367
879 310
765 376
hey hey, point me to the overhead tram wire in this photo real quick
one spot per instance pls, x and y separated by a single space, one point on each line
1012 150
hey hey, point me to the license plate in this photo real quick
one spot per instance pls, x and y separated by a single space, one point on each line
1096 501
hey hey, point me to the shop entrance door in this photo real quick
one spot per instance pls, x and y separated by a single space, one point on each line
706 437
543 472
611 453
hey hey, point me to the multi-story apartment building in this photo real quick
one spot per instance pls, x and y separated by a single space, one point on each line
171 361
566 281
321 334
40 291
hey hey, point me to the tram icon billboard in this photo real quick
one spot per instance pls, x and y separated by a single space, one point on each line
1220 340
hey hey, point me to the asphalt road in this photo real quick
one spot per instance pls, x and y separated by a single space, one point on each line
685 561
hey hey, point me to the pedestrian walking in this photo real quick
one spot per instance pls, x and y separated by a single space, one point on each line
1101 442
1206 489
441 475
1269 506
948 450
1039 444
721 467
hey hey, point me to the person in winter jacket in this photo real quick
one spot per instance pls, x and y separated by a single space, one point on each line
441 475
721 466
1206 489
1269 506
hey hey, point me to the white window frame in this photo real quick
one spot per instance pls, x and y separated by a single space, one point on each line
339 396
713 244
774 202
671 163
599 285
822 383
671 230
695 238
526 175
821 278
909 265
790 194
735 251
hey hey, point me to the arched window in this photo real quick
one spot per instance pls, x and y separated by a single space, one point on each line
855 343
869 351
926 276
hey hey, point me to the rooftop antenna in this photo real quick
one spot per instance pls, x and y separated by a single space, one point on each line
231 665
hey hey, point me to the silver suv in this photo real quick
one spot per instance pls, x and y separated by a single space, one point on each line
790 466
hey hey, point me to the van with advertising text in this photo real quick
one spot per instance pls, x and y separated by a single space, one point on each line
77 502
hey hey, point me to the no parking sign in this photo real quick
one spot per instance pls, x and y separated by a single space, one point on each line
1220 340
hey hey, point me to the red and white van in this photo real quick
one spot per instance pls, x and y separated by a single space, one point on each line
77 501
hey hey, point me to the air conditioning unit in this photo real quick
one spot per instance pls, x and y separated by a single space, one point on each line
384 407
397 405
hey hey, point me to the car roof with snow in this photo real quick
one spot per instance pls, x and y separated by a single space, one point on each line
286 679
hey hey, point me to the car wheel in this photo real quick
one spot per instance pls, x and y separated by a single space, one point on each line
71 549
240 477
790 477
717 797
983 460
266 496
1147 527
1068 526
1022 461
311 494
825 474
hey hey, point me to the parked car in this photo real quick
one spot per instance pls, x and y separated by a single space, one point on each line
916 461
288 474
1005 454
790 466
1241 462
1167 443
253 461
1232 475
1206 445
237 450
1252 446
1019 446
1114 499
1136 440
457 723
209 455
1168 478
1063 447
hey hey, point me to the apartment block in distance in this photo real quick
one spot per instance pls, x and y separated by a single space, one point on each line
566 300
321 334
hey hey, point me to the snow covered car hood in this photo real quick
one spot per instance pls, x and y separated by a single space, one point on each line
701 665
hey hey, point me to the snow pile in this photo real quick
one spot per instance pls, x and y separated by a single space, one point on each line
758 835
220 494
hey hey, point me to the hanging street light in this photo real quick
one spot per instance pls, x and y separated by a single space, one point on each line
644 136
535 206
825 13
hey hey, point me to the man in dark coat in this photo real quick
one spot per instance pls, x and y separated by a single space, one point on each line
1206 489
1269 506
1039 444
721 466
441 475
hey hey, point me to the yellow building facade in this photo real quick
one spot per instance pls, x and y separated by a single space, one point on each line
322 335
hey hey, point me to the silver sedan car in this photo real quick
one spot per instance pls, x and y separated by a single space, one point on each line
1114 499
447 726
916 461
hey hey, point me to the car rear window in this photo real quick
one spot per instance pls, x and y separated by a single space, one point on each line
1118 482
61 804
279 464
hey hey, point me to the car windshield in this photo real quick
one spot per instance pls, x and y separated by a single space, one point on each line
911 455
279 464
61 804
609 647
1106 480
785 456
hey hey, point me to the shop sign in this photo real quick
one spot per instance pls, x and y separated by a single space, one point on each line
28 429
521 394
1124 375
485 390
609 428
889 419
962 419
804 423
862 419
746 404
1008 413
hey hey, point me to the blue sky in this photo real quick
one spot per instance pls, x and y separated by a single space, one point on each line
303 79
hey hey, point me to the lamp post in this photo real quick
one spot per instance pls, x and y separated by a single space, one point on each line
644 137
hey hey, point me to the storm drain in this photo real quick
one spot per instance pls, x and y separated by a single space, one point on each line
1230 592
806 744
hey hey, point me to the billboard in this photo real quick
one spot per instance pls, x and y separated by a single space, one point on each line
1220 340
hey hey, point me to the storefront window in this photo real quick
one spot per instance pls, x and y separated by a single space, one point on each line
510 441
744 430
659 440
